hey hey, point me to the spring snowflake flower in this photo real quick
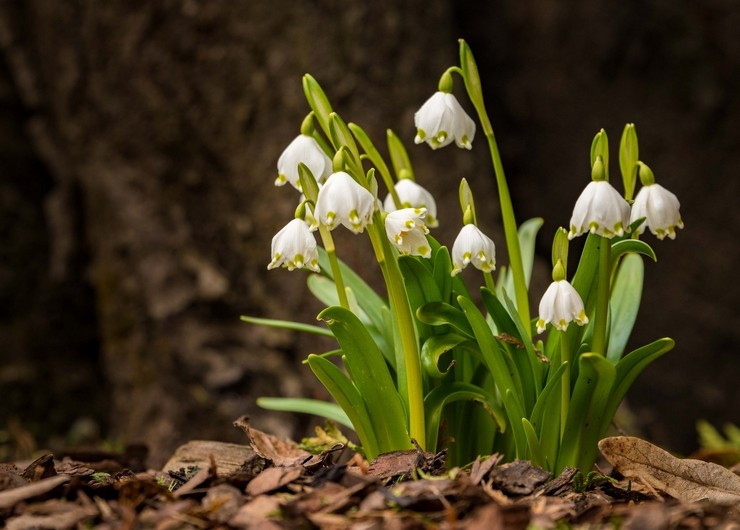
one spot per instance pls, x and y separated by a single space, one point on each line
294 247
407 231
303 149
560 305
412 195
343 201
601 210
473 246
659 207
441 119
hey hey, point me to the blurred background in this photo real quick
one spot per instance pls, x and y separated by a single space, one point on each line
138 143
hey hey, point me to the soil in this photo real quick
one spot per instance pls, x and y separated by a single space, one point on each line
273 483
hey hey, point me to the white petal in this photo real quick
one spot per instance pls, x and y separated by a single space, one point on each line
294 247
303 149
473 246
412 195
599 209
660 208
343 201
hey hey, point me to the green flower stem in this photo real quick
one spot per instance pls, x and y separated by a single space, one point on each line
334 262
490 285
564 383
601 315
510 231
402 311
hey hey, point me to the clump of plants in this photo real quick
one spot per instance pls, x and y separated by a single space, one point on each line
444 363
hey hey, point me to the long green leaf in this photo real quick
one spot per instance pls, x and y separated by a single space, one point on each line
316 407
624 304
628 369
527 234
287 324
441 396
347 396
442 314
634 246
371 377
582 429
535 447
500 371
437 345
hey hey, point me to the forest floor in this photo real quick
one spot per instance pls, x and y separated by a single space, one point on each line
273 483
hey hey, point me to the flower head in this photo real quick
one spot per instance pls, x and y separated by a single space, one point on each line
560 305
601 210
407 231
441 119
659 207
342 200
294 247
412 195
303 149
473 246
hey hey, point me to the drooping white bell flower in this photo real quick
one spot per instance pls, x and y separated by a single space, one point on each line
294 247
407 231
303 149
441 119
473 246
660 208
412 195
601 210
343 201
560 305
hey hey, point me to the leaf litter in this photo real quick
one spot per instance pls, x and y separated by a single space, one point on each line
273 483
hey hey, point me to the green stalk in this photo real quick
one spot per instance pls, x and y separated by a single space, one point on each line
402 310
564 383
601 315
469 71
490 285
510 231
334 262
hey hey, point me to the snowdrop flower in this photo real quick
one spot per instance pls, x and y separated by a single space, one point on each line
303 149
441 119
473 246
412 195
657 205
560 305
601 210
407 231
294 247
342 200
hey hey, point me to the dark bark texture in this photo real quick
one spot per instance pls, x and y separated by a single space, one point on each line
138 143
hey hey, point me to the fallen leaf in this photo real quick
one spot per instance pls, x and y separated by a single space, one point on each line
685 479
282 452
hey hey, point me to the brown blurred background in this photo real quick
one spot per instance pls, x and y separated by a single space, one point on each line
138 143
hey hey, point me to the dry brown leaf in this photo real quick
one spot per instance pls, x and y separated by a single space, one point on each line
685 479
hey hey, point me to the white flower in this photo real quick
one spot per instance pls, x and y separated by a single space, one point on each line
601 210
303 149
441 119
342 200
659 207
412 195
294 247
560 305
473 246
406 230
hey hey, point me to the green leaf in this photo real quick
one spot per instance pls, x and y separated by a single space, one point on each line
441 396
441 314
348 397
372 378
399 156
535 448
436 346
324 409
527 236
502 375
287 324
442 269
624 304
596 376
620 248
318 101
628 369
